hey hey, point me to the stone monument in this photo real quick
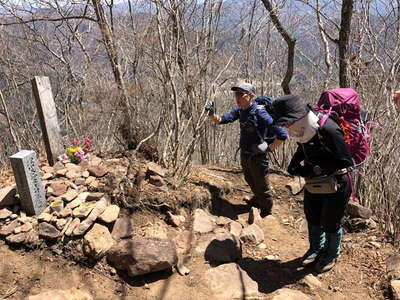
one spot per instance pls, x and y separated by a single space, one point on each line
29 183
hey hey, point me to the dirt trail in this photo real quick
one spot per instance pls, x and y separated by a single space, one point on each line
359 275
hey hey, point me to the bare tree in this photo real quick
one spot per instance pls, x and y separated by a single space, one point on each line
290 41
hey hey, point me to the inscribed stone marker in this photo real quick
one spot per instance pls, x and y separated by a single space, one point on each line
29 183
48 117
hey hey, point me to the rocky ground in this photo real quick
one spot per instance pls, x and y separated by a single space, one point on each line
128 231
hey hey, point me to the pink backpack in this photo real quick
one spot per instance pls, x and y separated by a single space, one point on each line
344 106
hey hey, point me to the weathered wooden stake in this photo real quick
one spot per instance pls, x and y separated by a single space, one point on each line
48 117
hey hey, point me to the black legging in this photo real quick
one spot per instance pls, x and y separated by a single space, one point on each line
328 209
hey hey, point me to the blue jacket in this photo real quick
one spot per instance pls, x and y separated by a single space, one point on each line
254 119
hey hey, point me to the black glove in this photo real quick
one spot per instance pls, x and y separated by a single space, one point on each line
210 108
294 167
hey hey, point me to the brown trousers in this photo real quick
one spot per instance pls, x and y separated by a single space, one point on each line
255 170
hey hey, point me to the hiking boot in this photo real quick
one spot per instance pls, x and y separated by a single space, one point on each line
253 202
265 207
265 212
330 253
316 238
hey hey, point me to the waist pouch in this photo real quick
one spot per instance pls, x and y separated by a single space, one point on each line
321 185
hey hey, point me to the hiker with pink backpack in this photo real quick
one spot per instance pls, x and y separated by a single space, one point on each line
332 139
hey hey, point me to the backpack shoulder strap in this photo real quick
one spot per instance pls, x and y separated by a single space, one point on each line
323 117
258 108
322 120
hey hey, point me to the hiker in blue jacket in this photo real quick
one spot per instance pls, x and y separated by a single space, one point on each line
258 135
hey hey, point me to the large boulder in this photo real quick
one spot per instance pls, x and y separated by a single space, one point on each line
356 210
71 294
229 281
224 248
202 222
97 242
140 256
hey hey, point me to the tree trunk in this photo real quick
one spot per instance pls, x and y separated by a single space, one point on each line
111 49
7 115
291 42
343 43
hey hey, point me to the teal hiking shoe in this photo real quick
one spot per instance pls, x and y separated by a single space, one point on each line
316 238
330 252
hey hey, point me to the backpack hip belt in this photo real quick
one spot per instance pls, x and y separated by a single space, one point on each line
342 171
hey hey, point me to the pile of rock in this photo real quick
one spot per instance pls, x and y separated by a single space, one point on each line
88 215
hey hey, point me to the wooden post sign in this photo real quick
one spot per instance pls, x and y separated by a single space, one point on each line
48 117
